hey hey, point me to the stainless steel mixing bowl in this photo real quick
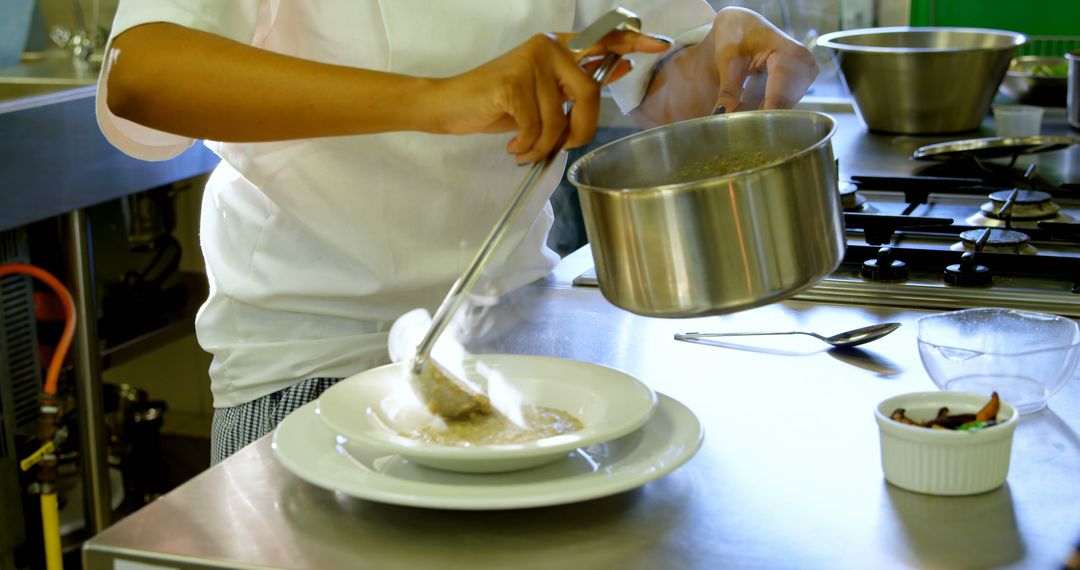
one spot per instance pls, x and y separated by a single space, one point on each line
713 215
923 80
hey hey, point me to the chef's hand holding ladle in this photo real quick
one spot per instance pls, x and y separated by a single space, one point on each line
444 393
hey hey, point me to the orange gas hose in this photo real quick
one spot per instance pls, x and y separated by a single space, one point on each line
52 376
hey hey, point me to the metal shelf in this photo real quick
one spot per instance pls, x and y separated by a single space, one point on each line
180 324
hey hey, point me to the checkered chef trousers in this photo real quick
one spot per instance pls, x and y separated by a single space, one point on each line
237 426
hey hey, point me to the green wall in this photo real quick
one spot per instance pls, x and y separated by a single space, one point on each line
1059 19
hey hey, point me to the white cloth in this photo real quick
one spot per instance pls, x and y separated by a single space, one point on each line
313 247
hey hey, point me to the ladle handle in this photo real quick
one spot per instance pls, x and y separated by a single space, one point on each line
464 285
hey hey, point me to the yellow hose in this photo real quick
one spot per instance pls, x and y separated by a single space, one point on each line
50 512
50 527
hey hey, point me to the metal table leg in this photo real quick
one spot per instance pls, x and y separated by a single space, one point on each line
87 359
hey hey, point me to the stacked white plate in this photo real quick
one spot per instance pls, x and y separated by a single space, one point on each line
351 440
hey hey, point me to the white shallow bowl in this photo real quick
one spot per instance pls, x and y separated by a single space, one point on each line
374 408
944 462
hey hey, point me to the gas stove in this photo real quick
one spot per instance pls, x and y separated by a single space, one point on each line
1001 239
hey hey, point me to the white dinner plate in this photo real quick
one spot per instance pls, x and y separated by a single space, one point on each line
307 448
374 408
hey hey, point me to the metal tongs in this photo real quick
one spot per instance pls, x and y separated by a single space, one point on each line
451 397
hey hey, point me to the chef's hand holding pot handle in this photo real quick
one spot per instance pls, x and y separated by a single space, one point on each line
524 91
743 63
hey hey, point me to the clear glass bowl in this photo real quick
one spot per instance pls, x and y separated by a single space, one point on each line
1026 357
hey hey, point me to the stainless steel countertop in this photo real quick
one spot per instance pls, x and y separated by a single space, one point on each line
789 474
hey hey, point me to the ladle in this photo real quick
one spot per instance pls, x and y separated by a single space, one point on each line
853 337
444 393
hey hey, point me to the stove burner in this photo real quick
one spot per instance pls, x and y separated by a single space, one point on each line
999 241
852 201
1028 208
1028 205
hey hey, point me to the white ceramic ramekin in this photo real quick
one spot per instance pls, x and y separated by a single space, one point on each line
944 462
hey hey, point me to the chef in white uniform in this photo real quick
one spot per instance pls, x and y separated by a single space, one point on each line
369 145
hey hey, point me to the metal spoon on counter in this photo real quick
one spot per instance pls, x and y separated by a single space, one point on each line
853 337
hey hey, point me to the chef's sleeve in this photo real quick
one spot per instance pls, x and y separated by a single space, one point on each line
239 20
685 21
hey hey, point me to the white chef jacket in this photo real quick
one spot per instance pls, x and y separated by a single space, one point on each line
313 247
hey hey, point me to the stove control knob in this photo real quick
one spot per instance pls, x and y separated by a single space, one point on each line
884 268
967 273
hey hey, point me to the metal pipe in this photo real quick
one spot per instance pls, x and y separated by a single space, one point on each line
87 360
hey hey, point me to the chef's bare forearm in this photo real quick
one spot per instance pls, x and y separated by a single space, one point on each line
684 86
201 85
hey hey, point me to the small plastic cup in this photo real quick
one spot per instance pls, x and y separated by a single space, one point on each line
1018 120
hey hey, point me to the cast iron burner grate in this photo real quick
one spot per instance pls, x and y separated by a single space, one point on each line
896 245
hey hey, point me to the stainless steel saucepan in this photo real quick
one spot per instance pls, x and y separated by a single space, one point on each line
713 215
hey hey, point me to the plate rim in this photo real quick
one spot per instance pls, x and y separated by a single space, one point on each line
568 442
694 434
